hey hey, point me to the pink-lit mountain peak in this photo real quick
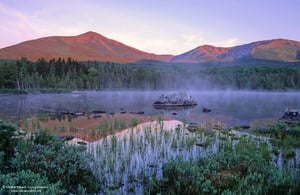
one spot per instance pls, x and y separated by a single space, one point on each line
87 46
94 46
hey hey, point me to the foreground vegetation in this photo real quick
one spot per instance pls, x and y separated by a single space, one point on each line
42 164
248 166
153 160
243 169
284 138
58 75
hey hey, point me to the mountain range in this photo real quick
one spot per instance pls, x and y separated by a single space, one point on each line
93 46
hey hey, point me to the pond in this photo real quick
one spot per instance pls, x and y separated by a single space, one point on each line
231 107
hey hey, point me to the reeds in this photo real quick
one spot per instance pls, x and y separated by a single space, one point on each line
140 153
129 159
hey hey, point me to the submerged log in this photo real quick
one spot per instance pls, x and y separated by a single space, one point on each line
98 112
97 115
206 110
242 126
77 113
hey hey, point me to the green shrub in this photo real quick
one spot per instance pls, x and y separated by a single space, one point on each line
33 183
60 162
9 136
42 137
243 169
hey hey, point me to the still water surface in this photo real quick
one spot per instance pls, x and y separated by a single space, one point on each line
234 107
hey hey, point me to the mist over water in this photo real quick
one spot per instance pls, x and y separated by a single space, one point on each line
231 106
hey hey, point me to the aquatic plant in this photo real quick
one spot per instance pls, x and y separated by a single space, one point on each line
128 161
240 169
42 117
160 121
35 124
73 127
133 122
140 154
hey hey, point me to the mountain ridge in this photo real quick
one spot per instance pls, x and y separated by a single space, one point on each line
94 46
86 46
274 49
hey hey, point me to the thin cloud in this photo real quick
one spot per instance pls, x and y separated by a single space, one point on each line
193 40
15 24
160 46
226 43
137 40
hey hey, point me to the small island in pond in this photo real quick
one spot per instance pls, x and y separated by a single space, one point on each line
174 100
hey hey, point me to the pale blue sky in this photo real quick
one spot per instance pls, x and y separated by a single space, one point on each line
157 26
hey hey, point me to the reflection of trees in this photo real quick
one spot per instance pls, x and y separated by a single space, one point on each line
21 104
13 106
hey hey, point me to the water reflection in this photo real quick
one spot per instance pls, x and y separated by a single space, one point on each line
230 106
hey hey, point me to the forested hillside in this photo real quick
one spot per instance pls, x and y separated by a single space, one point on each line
24 75
255 77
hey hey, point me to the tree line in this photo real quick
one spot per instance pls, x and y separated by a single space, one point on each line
71 74
59 73
255 77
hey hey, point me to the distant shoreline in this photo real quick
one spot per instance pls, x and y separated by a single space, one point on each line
5 92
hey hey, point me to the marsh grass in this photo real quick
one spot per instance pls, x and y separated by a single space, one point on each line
285 139
73 127
42 117
131 158
133 122
128 160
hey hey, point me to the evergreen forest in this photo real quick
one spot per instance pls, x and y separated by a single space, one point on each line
56 74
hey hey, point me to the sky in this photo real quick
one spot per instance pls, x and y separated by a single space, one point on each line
155 26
